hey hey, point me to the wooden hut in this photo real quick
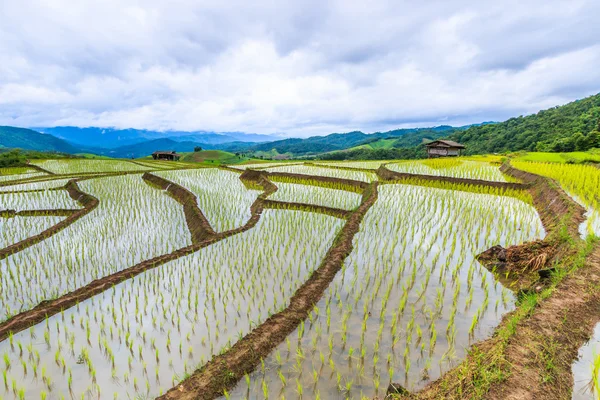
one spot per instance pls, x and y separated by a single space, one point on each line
444 148
166 155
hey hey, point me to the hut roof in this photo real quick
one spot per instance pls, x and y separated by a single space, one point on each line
445 143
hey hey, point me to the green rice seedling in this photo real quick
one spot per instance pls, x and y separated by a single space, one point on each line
416 244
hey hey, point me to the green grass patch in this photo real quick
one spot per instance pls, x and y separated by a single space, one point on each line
213 157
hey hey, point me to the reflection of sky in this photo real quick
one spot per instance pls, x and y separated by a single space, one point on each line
592 221
583 368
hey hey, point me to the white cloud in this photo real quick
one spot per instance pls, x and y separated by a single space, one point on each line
303 68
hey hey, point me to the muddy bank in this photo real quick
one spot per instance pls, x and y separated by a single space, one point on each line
87 201
346 182
387 175
31 317
546 344
284 205
38 168
225 370
37 213
552 203
197 223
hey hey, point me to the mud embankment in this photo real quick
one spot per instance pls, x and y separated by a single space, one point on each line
197 223
225 370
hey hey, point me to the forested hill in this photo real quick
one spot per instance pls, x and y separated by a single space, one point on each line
571 127
13 137
342 141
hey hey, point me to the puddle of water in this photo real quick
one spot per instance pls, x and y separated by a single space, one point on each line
584 386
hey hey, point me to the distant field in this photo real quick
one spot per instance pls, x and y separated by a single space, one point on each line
216 157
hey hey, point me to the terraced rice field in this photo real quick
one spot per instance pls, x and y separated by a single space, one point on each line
88 166
452 168
146 279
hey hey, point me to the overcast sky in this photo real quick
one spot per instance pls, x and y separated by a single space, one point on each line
297 68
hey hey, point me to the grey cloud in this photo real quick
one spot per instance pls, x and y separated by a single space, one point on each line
302 68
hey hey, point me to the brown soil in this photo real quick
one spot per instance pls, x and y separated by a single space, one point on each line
226 369
87 201
36 167
197 223
326 179
387 175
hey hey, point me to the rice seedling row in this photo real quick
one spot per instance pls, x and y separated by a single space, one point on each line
581 182
373 165
18 177
326 172
42 185
452 168
335 198
221 195
141 337
88 166
132 223
259 166
417 294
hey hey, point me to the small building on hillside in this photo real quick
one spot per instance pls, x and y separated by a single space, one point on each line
444 148
166 155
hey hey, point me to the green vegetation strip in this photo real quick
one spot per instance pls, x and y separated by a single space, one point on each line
388 175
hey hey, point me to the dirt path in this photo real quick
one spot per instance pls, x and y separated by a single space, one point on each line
225 370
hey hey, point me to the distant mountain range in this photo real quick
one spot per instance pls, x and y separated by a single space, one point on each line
22 138
131 143
573 126
110 138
